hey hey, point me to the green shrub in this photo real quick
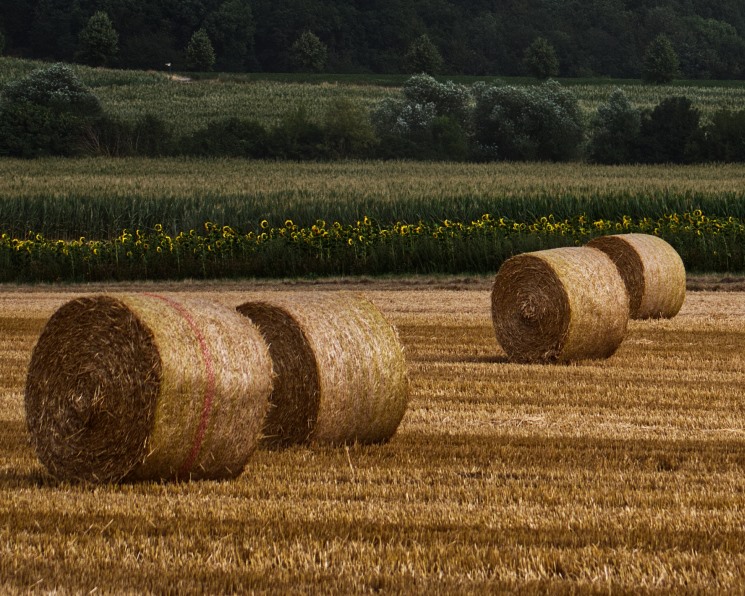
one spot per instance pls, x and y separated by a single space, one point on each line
109 136
46 113
449 99
725 136
348 130
228 137
614 131
526 123
297 137
152 137
671 133
449 140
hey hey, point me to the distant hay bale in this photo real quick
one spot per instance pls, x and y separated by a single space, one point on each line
340 369
559 305
147 387
652 270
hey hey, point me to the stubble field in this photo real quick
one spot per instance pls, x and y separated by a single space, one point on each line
622 475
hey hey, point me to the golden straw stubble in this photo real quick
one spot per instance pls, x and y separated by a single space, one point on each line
559 305
146 386
341 371
652 270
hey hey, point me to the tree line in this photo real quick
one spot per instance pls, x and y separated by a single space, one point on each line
590 38
50 112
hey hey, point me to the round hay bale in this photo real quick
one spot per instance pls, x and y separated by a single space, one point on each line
652 270
340 369
147 387
559 305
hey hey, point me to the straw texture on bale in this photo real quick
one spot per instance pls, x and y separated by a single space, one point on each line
340 369
146 387
559 305
652 270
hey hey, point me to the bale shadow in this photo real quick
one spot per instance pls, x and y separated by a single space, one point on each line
465 359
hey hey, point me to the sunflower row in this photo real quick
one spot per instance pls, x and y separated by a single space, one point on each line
360 247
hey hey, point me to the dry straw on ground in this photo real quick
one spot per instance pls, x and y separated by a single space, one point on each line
652 270
559 305
146 387
341 373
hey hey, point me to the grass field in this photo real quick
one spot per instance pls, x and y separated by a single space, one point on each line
622 475
96 198
267 97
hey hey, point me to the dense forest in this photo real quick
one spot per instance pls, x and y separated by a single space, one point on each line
480 37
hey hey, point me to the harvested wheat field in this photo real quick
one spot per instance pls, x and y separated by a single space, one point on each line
625 474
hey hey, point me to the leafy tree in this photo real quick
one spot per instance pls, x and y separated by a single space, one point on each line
308 53
200 55
660 61
53 33
527 123
428 123
98 41
231 28
614 131
423 56
540 59
671 133
46 113
448 98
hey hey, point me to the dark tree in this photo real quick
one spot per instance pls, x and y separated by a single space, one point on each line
725 136
614 131
423 56
541 60
590 37
200 54
541 122
660 61
46 113
671 132
98 41
53 33
308 53
2 43
231 28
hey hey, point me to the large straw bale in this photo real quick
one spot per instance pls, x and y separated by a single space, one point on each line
147 387
341 373
652 270
559 305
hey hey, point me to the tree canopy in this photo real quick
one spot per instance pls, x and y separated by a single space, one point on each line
481 37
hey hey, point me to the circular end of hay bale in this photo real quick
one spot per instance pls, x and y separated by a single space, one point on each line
293 405
91 391
147 386
344 368
530 310
652 270
559 305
